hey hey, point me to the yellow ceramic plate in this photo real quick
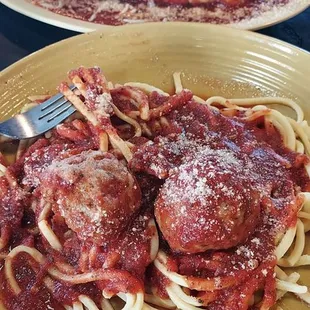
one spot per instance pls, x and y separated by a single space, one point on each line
214 60
259 21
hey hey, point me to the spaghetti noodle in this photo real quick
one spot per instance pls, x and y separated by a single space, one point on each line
161 200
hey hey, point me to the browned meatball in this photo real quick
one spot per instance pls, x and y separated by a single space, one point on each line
208 203
94 193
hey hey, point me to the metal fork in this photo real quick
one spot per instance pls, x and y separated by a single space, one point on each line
39 119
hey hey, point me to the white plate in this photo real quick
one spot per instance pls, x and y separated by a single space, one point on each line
264 20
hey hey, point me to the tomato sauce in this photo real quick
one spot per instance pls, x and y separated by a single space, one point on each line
111 12
273 176
242 164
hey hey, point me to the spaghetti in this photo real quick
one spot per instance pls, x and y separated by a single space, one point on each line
164 201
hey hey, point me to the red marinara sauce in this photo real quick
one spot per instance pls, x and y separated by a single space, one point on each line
230 190
112 12
57 168
221 189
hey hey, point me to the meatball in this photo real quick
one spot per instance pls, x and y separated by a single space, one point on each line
208 203
95 194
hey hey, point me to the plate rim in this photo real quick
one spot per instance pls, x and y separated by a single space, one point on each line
283 18
45 16
69 23
246 34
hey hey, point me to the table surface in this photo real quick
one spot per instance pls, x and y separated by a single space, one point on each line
21 35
